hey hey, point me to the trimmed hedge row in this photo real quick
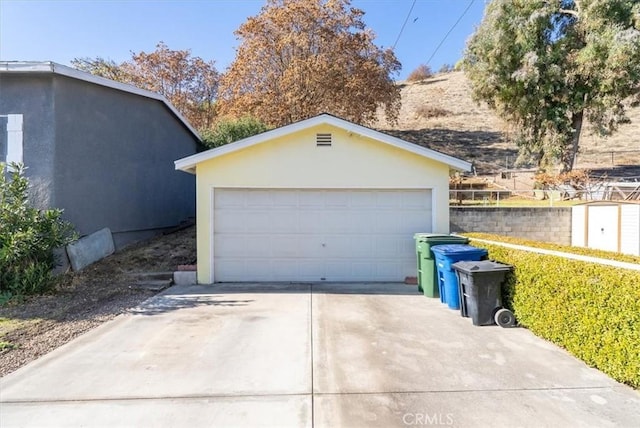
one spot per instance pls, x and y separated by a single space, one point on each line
609 255
591 310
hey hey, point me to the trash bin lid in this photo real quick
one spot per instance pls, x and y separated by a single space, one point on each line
450 249
481 266
430 235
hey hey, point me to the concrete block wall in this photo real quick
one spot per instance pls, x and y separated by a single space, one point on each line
538 224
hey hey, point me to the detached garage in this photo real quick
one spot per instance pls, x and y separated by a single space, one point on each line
319 200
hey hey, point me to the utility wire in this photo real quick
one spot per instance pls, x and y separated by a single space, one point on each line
403 25
450 30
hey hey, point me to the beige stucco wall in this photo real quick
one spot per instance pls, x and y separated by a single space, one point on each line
294 161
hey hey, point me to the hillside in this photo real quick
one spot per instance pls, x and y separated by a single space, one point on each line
440 114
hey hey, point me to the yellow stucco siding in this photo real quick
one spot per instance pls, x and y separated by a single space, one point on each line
294 161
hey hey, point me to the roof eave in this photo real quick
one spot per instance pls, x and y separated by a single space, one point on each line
188 164
63 70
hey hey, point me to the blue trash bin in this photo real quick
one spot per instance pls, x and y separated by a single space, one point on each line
446 256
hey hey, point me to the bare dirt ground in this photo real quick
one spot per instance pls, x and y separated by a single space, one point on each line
83 300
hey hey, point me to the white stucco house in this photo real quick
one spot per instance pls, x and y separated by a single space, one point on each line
322 199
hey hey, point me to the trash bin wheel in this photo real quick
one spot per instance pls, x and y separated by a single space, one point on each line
505 318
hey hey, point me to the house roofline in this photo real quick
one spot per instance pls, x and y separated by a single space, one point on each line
188 164
20 67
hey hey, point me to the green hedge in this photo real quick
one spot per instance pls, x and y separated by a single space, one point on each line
591 310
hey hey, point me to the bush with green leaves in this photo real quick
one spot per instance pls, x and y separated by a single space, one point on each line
227 131
28 237
591 310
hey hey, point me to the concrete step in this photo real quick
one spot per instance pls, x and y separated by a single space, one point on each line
154 281
154 285
150 276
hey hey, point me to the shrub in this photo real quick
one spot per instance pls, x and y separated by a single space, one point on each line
591 310
445 68
428 112
28 237
421 72
227 131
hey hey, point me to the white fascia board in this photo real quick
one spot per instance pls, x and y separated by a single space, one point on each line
188 164
63 70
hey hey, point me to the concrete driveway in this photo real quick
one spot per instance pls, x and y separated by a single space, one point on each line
329 355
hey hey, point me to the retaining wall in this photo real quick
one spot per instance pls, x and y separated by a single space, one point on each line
538 224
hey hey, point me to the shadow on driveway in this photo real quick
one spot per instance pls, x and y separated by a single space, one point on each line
192 296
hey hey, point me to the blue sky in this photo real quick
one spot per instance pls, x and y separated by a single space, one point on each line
55 30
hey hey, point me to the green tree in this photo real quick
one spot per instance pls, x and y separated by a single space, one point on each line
228 130
300 58
547 65
28 237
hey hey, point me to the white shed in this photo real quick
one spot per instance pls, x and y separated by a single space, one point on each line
607 225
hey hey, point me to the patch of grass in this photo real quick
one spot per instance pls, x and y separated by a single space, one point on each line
8 325
4 346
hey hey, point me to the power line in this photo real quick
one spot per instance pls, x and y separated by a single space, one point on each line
450 30
403 25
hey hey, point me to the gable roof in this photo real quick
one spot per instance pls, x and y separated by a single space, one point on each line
62 70
189 163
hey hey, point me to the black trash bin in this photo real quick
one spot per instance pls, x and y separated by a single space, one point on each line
480 290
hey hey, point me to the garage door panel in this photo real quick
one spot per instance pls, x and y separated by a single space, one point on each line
387 247
258 198
338 245
387 222
416 200
283 222
336 222
232 245
233 221
257 221
387 270
285 199
283 246
310 221
232 270
311 199
229 200
388 200
311 270
337 199
317 235
415 219
363 199
310 246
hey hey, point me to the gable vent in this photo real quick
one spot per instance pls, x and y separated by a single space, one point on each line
323 140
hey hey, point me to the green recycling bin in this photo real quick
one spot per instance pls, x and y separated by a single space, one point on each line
427 274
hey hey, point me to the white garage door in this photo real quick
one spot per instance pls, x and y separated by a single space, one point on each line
317 235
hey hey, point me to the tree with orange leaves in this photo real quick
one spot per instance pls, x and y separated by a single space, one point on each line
301 58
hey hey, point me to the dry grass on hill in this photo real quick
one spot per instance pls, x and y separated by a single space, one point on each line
439 113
